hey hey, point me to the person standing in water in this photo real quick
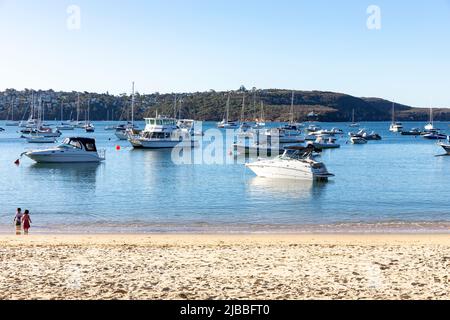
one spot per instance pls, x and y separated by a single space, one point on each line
18 221
26 222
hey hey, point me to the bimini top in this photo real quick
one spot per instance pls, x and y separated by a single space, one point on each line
87 144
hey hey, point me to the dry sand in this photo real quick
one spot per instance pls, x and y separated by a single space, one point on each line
225 267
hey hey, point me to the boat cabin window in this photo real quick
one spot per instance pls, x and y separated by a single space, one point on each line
72 143
160 122
90 147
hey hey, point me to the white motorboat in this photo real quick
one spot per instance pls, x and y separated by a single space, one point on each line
188 125
89 128
123 130
324 142
296 164
72 150
358 140
162 133
40 139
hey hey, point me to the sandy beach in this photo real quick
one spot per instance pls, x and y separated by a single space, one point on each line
225 267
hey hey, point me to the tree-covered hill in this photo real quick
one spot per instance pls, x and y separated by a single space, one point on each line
210 105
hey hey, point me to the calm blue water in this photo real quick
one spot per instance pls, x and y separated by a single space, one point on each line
397 183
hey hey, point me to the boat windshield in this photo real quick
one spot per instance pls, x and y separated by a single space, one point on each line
68 143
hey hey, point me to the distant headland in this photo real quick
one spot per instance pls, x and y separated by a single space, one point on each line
210 105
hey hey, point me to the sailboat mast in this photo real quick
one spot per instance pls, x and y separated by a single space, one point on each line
78 107
228 108
291 116
243 109
132 105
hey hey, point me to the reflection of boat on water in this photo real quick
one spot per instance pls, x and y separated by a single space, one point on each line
86 172
287 189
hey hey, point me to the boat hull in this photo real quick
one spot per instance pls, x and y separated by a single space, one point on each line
161 144
294 171
62 157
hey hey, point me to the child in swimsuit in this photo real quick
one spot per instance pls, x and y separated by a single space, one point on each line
26 221
18 221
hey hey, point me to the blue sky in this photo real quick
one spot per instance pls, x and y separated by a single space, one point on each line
197 45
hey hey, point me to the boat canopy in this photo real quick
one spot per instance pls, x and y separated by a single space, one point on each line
87 143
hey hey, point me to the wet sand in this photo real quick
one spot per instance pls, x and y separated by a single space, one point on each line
225 267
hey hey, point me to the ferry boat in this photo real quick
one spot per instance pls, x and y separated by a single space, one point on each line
162 133
72 150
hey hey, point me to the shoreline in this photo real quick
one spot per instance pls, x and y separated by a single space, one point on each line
187 266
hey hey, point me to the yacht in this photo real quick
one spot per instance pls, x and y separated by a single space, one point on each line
435 136
395 126
353 124
225 123
72 150
11 122
283 136
358 140
65 126
188 125
45 133
123 130
296 163
89 128
412 132
324 142
162 133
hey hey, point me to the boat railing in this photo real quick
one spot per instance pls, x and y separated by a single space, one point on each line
101 153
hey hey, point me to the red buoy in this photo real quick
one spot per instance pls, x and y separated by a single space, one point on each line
118 148
17 162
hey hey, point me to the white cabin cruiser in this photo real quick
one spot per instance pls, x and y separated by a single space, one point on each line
294 164
358 140
72 150
324 142
162 133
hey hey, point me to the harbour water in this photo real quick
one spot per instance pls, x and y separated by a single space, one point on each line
397 184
